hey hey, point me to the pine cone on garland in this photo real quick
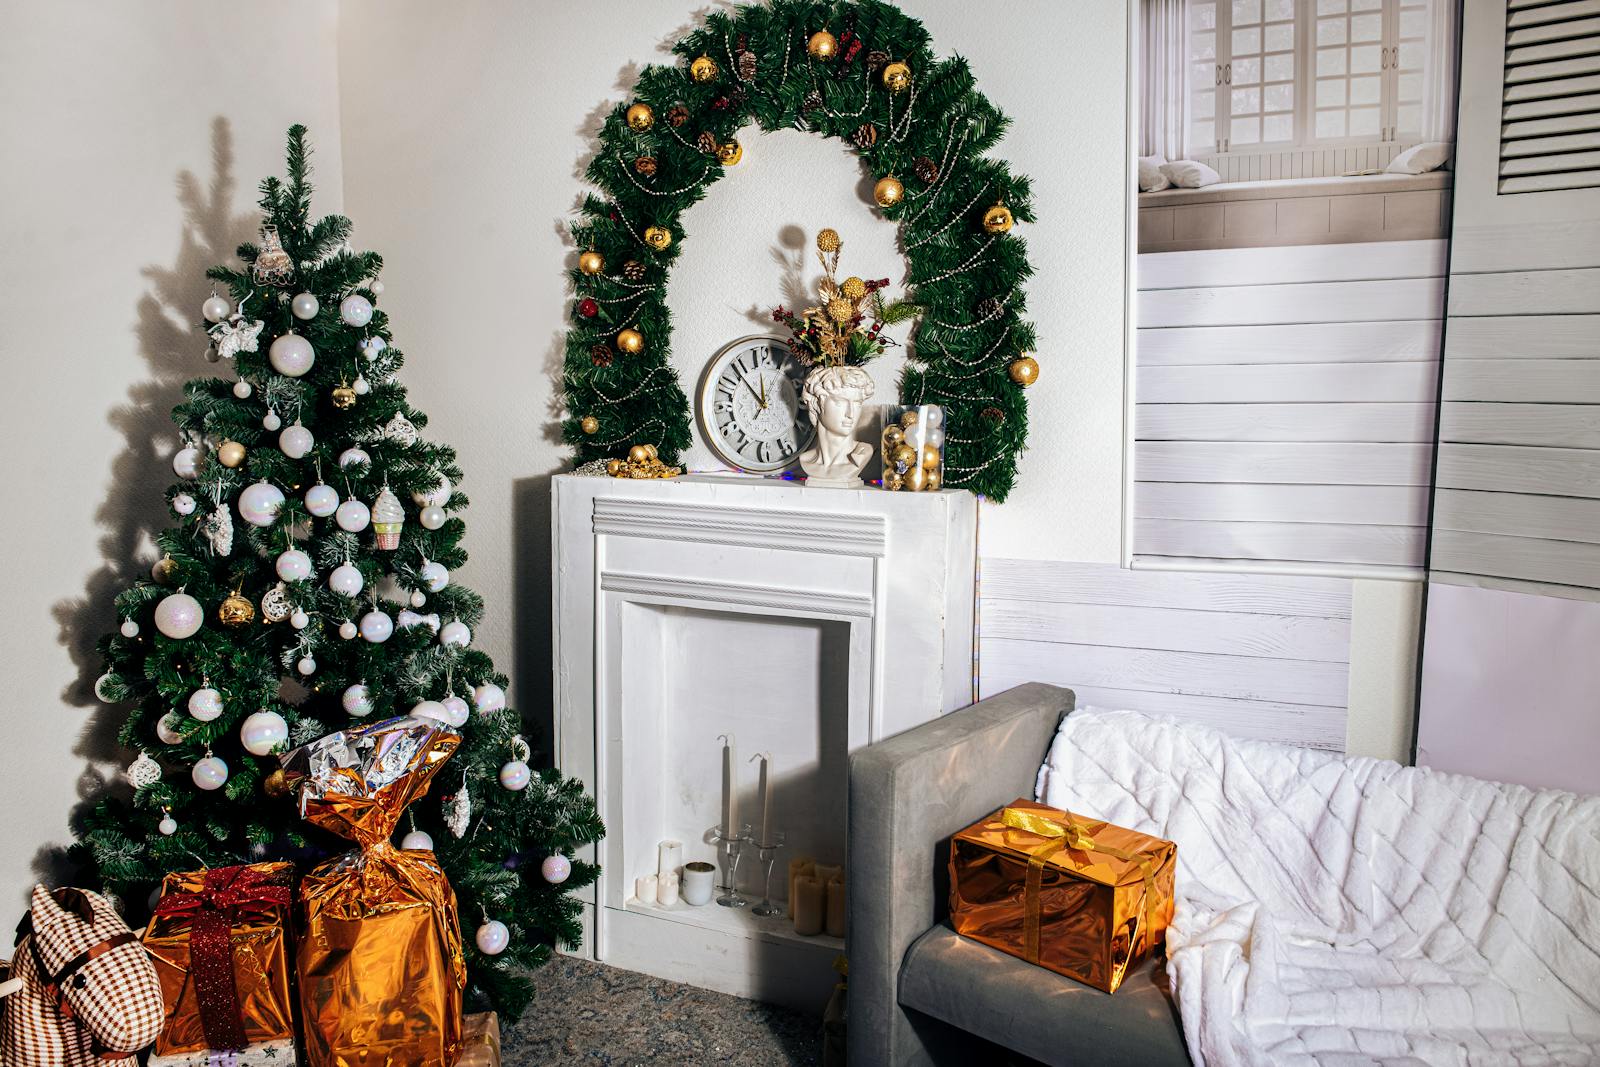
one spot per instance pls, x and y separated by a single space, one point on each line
747 66
877 59
601 356
633 270
706 142
646 166
926 170
812 101
988 307
677 115
865 137
994 415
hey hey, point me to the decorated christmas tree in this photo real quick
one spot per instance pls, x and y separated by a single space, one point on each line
305 587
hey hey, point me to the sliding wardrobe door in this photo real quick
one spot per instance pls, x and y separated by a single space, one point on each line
1511 654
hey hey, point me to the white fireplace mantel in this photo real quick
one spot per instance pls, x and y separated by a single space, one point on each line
805 622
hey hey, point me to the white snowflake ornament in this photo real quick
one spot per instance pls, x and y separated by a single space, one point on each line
236 335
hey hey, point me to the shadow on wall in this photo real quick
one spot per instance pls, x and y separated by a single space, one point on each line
136 510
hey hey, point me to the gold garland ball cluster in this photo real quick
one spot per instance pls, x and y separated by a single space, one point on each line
860 71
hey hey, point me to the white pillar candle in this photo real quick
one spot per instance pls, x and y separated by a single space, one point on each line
764 791
644 890
667 889
730 788
669 857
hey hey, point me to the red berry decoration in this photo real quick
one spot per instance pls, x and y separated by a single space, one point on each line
588 308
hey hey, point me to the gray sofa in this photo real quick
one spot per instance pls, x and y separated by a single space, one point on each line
919 994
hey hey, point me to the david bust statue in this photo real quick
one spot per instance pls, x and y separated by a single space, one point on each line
835 396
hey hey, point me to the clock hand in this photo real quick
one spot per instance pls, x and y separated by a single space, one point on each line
763 393
752 391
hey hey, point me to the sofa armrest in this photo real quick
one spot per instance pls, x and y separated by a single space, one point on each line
908 795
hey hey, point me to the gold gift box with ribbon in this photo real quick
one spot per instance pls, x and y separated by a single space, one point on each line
1079 896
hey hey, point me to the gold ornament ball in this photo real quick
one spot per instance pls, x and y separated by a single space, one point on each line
639 454
904 456
841 310
1024 370
916 479
631 341
230 453
344 397
892 435
828 240
276 784
657 237
897 77
909 419
589 424
613 466
235 610
591 262
893 482
931 457
935 480
640 117
703 69
823 45
165 570
888 192
650 450
997 219
730 153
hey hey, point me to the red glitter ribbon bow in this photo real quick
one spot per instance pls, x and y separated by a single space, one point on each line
228 893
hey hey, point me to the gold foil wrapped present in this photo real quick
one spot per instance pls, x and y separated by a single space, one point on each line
481 1040
219 941
1079 896
379 955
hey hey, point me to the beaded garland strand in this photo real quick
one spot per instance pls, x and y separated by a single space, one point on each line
771 64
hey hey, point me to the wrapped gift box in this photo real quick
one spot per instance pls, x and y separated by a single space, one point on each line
219 940
480 1040
1079 896
262 1054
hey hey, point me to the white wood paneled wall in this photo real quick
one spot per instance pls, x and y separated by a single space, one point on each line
1284 405
1261 656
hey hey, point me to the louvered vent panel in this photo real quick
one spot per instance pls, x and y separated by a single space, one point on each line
1550 119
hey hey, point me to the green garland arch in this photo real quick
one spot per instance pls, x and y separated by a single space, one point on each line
969 280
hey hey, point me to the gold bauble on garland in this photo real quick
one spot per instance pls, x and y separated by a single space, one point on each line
591 262
897 77
640 117
823 45
729 153
613 466
230 453
657 237
589 424
1024 370
343 397
997 219
235 610
703 69
631 342
639 454
888 192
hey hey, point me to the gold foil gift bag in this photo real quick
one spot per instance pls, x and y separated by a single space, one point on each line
1081 897
379 959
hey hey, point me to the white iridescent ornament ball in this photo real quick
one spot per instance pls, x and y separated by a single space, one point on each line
455 634
515 775
556 869
352 456
371 347
186 462
291 355
417 841
205 704
456 710
298 619
263 732
431 517
167 729
295 441
435 575
102 690
355 310
210 772
179 615
437 497
168 826
419 599
430 709
353 516
322 500
346 579
271 421
347 630
377 287
216 308
293 565
305 306
489 698
377 627
493 937
183 504
259 503
130 628
242 389
306 666
361 386
357 701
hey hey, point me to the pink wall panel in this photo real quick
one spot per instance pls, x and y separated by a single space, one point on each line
1511 687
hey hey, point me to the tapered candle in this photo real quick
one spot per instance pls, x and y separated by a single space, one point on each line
730 789
764 791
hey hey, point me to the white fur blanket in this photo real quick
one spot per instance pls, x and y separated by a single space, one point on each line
1343 911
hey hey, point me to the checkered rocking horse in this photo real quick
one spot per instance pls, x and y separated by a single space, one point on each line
88 993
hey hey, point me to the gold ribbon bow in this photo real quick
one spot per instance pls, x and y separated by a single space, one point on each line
1065 834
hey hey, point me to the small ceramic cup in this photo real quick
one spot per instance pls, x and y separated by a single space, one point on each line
699 880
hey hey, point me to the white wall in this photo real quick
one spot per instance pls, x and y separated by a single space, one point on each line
134 137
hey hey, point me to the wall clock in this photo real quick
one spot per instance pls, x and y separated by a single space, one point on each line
749 405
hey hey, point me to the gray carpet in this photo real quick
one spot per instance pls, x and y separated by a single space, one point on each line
588 1013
